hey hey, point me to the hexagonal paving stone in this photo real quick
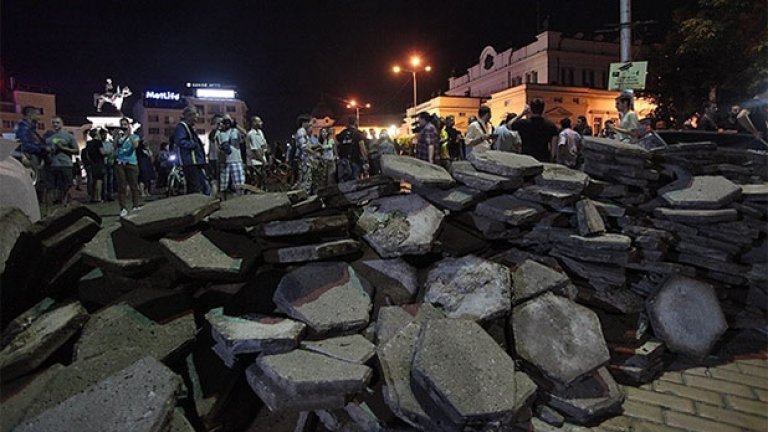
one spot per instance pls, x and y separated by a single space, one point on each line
704 192
562 339
506 164
469 287
416 171
400 225
172 214
686 314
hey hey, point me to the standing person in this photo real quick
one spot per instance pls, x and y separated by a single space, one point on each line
608 132
539 135
213 150
568 145
191 150
455 140
480 132
33 148
228 140
629 126
386 145
731 122
127 167
352 152
582 127
92 134
753 116
108 186
328 160
428 144
707 122
306 153
146 170
257 148
507 139
63 147
94 152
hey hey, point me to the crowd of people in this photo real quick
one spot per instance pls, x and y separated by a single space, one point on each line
117 161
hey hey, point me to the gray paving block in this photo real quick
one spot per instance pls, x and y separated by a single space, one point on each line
589 219
172 214
465 173
506 164
251 210
704 192
198 257
510 210
561 177
254 333
589 400
530 279
415 171
117 250
352 348
455 199
550 324
329 297
469 287
312 252
308 226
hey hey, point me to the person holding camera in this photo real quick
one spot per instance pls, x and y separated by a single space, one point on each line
480 134
127 168
227 140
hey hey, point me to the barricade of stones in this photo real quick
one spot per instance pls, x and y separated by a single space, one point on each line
501 294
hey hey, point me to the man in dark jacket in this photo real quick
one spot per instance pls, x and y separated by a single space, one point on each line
191 150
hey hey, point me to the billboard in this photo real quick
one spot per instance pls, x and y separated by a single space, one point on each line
625 76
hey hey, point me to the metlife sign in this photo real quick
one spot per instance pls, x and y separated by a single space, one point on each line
162 95
164 99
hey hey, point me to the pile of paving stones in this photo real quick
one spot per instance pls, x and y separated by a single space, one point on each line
502 294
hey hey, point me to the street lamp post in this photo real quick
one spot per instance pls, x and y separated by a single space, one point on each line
356 106
415 62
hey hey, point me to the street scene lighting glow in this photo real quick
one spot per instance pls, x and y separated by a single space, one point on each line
415 61
367 105
428 68
396 69
215 93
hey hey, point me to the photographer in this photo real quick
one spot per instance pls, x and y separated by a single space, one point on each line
228 140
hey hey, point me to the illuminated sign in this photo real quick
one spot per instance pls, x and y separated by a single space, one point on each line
203 85
215 93
162 95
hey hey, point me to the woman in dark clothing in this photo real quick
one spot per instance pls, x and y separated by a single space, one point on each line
94 153
146 170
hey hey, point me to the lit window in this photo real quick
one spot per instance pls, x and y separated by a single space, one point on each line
231 109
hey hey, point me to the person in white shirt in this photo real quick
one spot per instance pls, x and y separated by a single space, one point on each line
507 139
629 126
480 133
256 147
568 145
227 140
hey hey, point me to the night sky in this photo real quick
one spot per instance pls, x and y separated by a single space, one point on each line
283 56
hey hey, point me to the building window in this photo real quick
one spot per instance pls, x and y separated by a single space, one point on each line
231 108
41 126
42 110
215 109
557 99
576 101
7 124
154 131
153 118
200 109
535 77
167 120
462 114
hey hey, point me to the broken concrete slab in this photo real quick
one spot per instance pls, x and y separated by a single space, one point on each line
121 325
455 199
394 277
506 164
531 278
415 171
116 250
250 210
561 177
198 257
254 333
301 381
552 197
330 297
469 287
312 252
392 319
465 173
550 324
139 398
589 219
694 217
12 223
614 147
490 390
686 314
352 348
19 396
704 192
168 215
35 343
400 225
69 239
588 400
23 321
510 210
303 227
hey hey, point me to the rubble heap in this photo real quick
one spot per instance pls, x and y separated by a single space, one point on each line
502 294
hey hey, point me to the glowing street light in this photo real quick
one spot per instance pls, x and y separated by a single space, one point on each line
353 104
415 62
